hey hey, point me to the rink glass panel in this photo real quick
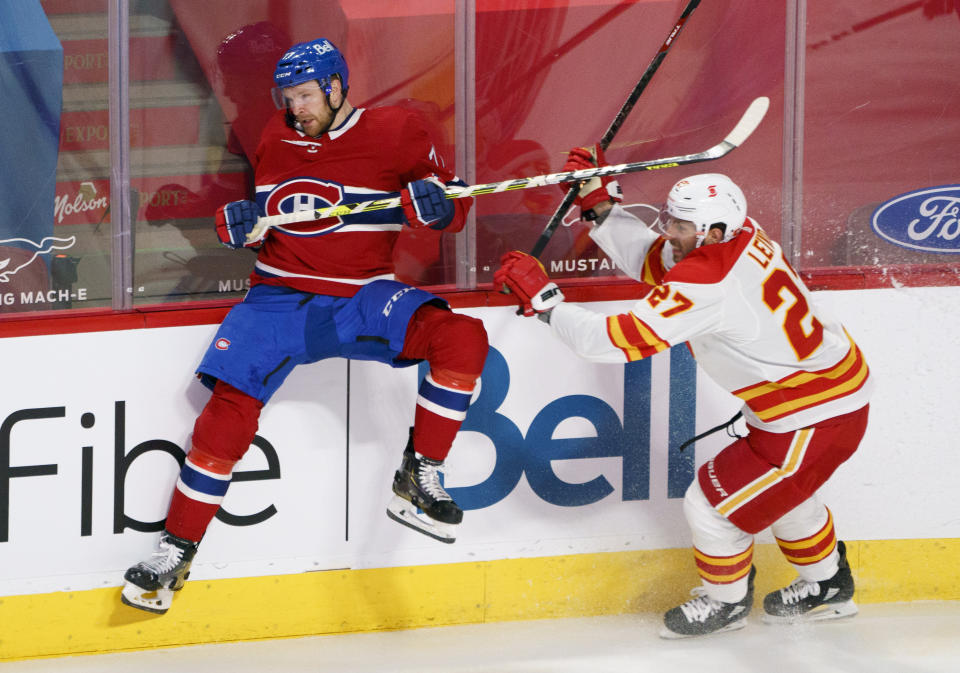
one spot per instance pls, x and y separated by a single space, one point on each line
881 121
56 230
222 55
861 114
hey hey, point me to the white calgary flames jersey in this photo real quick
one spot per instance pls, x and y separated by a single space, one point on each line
748 319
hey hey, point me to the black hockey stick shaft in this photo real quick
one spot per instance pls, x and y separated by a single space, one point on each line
614 127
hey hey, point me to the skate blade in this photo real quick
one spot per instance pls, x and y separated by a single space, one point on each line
405 513
667 634
157 602
823 613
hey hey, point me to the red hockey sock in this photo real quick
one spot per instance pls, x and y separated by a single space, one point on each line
222 434
441 407
200 489
455 345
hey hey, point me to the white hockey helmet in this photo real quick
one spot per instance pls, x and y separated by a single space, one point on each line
705 200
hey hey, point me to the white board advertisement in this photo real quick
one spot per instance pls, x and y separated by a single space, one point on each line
557 455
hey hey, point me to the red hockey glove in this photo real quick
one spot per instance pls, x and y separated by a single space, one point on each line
595 190
526 278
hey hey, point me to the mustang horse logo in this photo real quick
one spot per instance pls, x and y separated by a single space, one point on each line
46 245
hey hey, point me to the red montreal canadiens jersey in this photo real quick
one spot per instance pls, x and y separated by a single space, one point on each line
749 321
372 155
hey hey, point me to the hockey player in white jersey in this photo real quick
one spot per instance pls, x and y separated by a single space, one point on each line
715 281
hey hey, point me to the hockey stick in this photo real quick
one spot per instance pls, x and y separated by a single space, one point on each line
748 123
607 138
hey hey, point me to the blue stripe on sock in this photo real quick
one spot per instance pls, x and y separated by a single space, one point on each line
202 483
449 399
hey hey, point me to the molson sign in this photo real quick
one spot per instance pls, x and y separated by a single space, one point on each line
84 202
925 219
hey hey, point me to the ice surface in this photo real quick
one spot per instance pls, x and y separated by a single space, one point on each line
884 638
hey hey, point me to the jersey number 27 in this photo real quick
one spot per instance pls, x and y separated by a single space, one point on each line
804 343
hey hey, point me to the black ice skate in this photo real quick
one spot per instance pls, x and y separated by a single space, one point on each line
150 584
703 615
804 601
417 485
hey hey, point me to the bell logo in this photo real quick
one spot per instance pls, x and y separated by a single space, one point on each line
222 344
323 47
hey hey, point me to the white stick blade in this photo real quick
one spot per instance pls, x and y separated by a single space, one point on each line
749 121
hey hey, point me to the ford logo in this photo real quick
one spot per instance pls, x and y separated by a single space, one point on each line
923 220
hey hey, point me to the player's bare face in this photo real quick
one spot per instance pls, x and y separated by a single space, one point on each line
682 236
308 103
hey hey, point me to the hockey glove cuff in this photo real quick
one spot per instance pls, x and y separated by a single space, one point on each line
595 190
526 278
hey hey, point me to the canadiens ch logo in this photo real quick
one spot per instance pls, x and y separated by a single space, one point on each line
222 344
301 194
926 219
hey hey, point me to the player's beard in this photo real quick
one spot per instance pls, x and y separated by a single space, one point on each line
315 126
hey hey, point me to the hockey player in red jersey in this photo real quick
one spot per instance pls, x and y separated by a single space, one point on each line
718 283
326 289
